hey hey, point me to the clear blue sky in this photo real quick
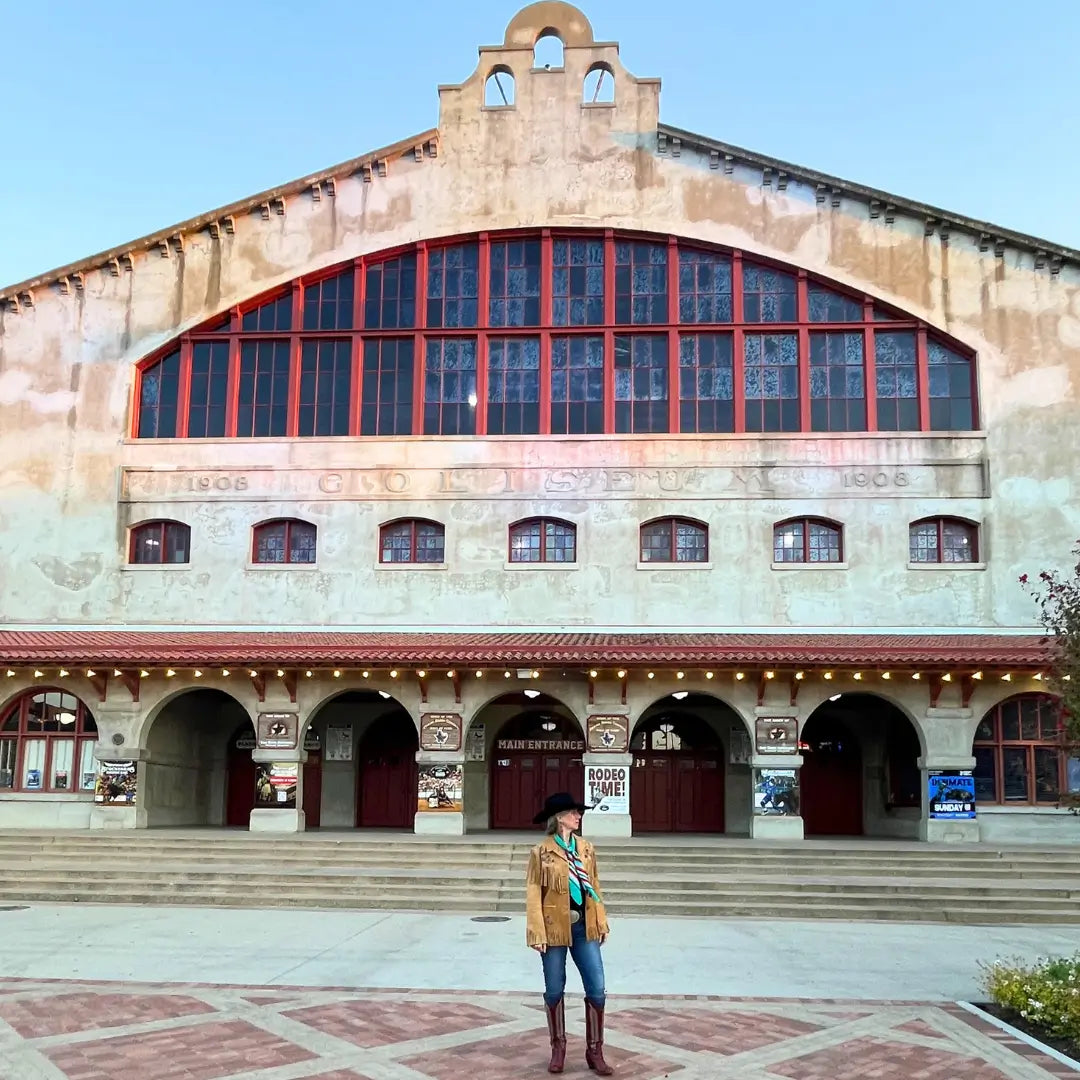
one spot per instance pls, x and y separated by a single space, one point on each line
122 117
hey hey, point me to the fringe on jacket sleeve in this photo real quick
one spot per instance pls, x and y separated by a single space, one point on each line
535 931
594 877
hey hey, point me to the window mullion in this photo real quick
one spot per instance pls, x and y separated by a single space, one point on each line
547 288
922 364
232 394
483 319
609 334
802 315
183 391
738 339
869 365
673 334
292 420
419 348
356 350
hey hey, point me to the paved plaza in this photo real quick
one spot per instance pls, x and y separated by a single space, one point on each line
103 993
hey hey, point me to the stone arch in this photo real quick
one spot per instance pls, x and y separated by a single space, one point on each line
812 698
150 711
391 702
500 88
598 86
533 21
636 715
509 690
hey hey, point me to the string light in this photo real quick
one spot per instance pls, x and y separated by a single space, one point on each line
169 673
117 672
64 673
253 673
280 673
198 673
800 675
680 674
39 674
886 675
947 677
650 675
827 675
593 673
307 674
393 673
857 676
144 674
421 673
708 674
506 674
11 674
225 672
976 675
621 673
337 673
916 675
1006 677
770 674
536 674
479 674
451 674
739 676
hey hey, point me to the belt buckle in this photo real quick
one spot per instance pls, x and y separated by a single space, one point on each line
575 916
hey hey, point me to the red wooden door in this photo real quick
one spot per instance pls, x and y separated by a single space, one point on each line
388 776
831 780
521 782
650 794
677 791
240 787
312 791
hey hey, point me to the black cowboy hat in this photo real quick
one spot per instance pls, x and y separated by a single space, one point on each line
559 803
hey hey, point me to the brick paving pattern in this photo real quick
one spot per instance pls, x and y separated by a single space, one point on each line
104 1031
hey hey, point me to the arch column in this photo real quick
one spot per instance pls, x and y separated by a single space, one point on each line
770 816
281 808
948 734
121 739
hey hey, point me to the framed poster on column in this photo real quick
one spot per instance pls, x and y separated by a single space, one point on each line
275 785
116 784
609 733
776 792
607 788
440 731
276 731
441 789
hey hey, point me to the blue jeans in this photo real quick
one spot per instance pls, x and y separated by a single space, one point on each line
590 965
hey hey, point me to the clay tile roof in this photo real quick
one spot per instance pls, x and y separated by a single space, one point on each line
316 648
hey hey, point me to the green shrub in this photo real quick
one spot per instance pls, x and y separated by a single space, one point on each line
1046 993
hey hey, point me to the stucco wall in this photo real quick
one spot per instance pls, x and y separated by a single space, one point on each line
66 379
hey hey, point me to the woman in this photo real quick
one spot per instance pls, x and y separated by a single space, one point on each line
565 913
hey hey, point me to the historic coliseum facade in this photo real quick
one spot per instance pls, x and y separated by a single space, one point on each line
553 441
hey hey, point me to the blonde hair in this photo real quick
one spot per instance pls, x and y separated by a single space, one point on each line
553 824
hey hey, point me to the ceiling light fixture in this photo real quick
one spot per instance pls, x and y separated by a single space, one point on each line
531 693
680 694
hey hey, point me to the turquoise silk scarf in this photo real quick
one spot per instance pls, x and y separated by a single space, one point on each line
579 879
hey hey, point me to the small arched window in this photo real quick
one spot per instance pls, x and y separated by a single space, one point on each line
548 50
47 742
543 540
499 88
807 540
599 87
285 540
160 542
412 541
943 540
674 540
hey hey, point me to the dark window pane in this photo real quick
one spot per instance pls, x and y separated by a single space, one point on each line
263 392
158 393
706 383
985 774
897 382
768 295
387 391
390 294
271 542
275 315
657 542
578 282
923 543
837 382
209 395
325 388
513 386
577 385
771 380
515 283
789 542
640 283
1014 763
1047 774
827 306
328 304
412 542
450 386
641 383
453 286
704 287
951 405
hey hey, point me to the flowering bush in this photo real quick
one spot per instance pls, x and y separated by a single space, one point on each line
1046 994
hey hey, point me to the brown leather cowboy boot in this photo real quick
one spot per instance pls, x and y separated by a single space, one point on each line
556 1020
594 1040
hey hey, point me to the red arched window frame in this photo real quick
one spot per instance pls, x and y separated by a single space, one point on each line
943 540
554 331
1018 754
284 541
412 540
543 540
674 540
159 542
808 540
47 739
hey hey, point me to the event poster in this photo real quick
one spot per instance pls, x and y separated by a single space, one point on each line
474 741
440 731
116 784
610 733
951 795
441 789
277 731
776 792
607 788
777 735
339 741
276 784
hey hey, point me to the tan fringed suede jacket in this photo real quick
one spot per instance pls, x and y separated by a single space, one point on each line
547 895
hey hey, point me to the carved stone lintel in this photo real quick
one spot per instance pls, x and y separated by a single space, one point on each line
729 163
114 267
381 167
163 248
228 223
714 159
432 147
781 180
264 211
316 192
661 142
676 146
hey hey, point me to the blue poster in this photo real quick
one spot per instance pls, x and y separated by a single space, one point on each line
952 795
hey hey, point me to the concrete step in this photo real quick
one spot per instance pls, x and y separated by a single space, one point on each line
776 909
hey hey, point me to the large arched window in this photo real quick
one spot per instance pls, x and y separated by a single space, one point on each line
47 743
412 540
160 542
807 540
575 333
943 540
543 540
285 540
677 540
1018 754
